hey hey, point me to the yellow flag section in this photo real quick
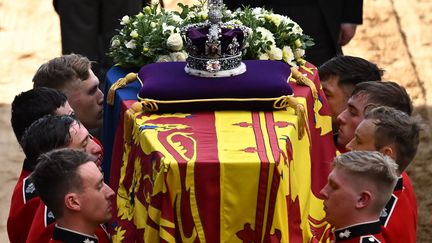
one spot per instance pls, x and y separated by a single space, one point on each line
270 200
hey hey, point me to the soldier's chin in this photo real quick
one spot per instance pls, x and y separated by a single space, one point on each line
99 161
341 141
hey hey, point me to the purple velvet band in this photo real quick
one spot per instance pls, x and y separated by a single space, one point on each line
199 38
263 79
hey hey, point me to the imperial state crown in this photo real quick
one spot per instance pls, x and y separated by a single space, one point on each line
214 48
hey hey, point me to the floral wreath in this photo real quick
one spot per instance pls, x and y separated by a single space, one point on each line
153 35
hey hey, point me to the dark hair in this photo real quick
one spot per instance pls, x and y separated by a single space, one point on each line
396 127
385 94
60 71
56 175
33 104
350 70
45 134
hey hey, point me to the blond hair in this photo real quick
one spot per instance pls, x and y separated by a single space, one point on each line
373 168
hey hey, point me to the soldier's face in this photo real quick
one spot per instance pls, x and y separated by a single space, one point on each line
340 198
95 196
350 118
364 137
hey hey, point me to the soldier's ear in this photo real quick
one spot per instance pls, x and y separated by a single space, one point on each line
364 199
72 202
388 150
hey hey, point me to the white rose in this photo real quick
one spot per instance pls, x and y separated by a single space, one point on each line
263 56
256 11
275 53
115 43
175 42
130 44
288 56
178 56
134 34
125 20
164 58
296 29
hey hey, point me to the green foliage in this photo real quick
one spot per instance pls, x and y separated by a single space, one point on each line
143 38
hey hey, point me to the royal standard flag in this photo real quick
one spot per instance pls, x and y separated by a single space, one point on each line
226 176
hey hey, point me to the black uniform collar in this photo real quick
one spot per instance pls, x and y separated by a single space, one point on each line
399 184
353 231
70 236
27 165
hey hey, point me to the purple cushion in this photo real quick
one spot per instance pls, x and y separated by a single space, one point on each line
168 83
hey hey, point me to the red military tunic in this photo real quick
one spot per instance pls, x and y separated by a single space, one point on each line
24 204
399 217
369 232
43 225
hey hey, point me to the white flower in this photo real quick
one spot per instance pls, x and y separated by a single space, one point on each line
178 56
191 15
263 56
203 15
288 56
167 24
298 52
296 29
134 34
274 18
125 20
228 13
234 21
169 28
130 44
283 19
286 20
266 34
115 43
177 18
175 42
164 58
257 11
275 53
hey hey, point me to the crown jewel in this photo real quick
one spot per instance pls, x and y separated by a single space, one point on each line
214 48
